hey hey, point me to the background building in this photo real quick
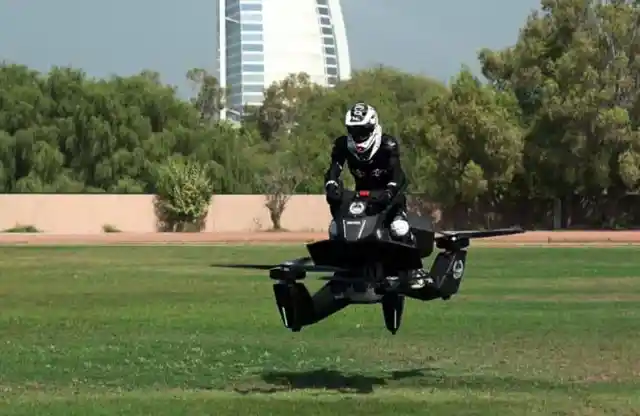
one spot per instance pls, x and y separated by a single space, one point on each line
263 41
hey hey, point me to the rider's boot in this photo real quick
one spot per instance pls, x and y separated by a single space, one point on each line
419 279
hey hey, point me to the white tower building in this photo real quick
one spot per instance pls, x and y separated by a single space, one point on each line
263 41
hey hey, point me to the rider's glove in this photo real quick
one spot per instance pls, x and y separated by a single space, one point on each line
386 196
333 192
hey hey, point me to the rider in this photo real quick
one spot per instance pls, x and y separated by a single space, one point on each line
374 161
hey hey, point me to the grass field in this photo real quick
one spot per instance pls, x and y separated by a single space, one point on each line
158 331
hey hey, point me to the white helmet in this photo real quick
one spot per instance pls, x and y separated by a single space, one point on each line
364 131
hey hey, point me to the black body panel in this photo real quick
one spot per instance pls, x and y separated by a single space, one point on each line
357 254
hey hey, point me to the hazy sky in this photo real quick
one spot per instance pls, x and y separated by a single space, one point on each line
126 36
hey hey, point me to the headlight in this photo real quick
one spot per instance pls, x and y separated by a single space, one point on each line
357 208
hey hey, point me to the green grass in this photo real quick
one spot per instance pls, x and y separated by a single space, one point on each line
158 331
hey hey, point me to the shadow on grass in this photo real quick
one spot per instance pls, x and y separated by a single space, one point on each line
425 378
323 379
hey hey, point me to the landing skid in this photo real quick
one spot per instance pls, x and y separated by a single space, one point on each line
392 308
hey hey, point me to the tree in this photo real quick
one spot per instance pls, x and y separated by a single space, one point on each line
575 74
557 119
283 103
478 145
210 96
280 178
65 132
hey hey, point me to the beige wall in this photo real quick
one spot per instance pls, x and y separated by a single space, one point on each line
86 214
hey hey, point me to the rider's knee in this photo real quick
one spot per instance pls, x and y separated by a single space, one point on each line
333 229
400 228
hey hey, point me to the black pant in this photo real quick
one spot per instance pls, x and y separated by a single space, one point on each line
399 208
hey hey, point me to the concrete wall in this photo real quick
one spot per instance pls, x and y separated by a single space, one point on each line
86 214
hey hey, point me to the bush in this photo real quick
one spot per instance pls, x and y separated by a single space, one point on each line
22 229
183 195
108 228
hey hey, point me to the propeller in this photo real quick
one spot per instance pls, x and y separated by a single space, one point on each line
480 233
245 266
345 279
301 264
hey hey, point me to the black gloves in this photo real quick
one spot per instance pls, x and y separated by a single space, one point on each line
384 198
333 192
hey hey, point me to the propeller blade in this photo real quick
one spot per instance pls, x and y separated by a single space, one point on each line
245 266
291 263
343 279
480 233
297 264
306 264
321 269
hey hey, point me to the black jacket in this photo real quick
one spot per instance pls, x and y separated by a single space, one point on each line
382 171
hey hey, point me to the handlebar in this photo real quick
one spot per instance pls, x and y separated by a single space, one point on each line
369 197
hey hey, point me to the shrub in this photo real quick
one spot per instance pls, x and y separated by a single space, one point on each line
22 229
108 228
183 195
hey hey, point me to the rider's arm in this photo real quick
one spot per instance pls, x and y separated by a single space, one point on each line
338 157
398 177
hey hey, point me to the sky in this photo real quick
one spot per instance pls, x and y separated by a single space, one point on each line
123 37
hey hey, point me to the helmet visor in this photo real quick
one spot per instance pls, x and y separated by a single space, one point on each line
360 134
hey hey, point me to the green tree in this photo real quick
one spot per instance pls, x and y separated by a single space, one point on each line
283 103
210 96
574 71
557 119
477 143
